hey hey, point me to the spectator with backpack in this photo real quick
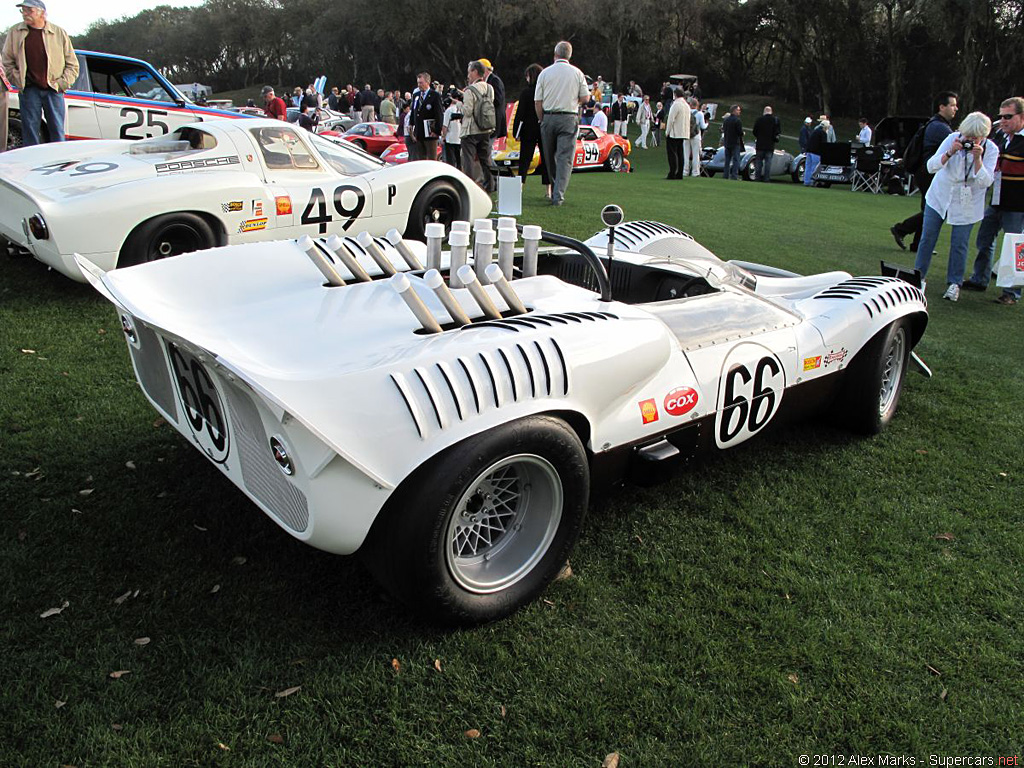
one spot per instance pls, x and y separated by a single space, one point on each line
561 89
920 148
478 123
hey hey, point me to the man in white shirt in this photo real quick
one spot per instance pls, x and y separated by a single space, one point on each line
864 137
561 90
643 118
451 127
677 131
600 119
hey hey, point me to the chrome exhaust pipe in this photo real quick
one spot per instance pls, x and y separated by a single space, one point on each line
468 278
347 258
505 289
435 283
400 282
395 238
321 261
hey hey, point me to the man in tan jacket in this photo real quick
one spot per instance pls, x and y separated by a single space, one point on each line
41 63
5 86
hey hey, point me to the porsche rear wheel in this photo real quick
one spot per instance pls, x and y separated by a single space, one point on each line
483 528
165 236
874 380
749 173
438 202
615 160
798 174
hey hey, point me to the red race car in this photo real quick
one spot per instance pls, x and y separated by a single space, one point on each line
398 153
373 137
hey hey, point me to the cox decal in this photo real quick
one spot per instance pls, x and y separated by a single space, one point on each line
680 400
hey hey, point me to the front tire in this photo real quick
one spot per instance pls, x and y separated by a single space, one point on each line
749 174
480 530
798 175
615 160
164 236
874 380
14 140
438 201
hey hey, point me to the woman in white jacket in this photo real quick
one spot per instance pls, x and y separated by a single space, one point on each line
963 166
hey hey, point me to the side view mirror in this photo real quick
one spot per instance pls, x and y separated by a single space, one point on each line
612 215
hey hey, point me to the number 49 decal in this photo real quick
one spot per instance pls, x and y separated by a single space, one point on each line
323 218
749 393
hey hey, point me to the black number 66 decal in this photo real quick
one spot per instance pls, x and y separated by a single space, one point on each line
749 396
323 218
202 406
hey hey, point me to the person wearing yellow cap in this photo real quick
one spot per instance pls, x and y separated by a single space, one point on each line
500 121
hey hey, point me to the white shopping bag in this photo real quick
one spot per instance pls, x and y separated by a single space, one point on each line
1010 273
510 196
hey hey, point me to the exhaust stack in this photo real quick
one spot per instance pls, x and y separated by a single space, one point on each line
505 289
435 283
531 245
341 250
483 251
458 241
507 237
468 277
435 234
400 282
321 261
366 240
395 238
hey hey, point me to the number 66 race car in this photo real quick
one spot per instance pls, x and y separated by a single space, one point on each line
448 423
120 203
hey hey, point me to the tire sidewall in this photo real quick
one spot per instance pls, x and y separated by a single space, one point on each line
137 246
416 228
862 387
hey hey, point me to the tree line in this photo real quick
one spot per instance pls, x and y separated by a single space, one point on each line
854 57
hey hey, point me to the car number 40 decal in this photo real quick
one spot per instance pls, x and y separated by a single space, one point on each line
344 205
749 393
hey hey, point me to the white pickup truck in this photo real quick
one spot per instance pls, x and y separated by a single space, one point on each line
117 97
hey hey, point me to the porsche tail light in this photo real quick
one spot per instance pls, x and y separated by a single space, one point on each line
284 205
38 227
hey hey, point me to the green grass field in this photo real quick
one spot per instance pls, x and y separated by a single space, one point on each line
812 593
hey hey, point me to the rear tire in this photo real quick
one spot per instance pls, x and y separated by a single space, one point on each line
360 144
798 175
615 160
874 380
164 236
438 201
14 140
480 530
748 172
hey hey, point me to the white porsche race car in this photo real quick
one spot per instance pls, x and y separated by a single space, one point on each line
449 423
213 183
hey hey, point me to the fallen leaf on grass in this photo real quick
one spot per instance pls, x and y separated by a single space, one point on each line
122 598
222 745
945 537
933 670
142 641
22 535
288 691
162 495
610 761
473 733
565 573
502 710
117 727
215 590
239 560
275 738
119 674
54 611
130 464
396 665
942 695
547 602
58 704
101 331
76 511
199 528
37 472
437 664
159 423
921 451
792 677
29 351
86 491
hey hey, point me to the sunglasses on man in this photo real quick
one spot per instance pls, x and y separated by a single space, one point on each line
1008 116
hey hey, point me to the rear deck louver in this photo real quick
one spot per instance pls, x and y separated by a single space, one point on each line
875 293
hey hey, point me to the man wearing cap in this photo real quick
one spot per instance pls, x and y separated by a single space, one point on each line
273 105
561 89
39 61
500 122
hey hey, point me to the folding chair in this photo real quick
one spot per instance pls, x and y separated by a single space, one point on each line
867 176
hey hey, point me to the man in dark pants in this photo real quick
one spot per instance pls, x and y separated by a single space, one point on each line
732 140
677 133
767 130
427 113
938 128
500 120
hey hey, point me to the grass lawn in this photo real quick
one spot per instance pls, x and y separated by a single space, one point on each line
812 593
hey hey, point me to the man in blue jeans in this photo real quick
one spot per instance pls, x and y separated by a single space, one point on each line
732 140
41 63
1007 209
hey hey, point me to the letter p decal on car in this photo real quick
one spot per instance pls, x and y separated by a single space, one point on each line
392 191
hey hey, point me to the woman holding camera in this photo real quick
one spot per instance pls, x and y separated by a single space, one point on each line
963 166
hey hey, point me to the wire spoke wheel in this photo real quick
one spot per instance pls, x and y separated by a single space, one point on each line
892 370
504 523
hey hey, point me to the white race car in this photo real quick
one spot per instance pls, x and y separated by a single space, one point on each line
452 435
213 183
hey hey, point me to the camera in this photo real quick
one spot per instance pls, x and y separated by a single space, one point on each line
968 144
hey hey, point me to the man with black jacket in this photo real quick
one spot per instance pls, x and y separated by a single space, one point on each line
732 140
427 113
937 129
1007 209
767 131
620 116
